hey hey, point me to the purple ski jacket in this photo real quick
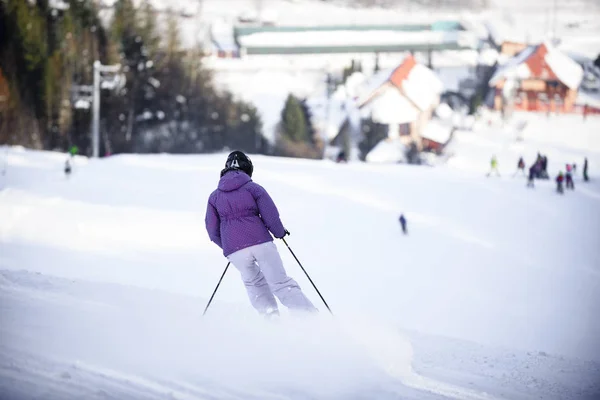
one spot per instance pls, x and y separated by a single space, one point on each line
240 214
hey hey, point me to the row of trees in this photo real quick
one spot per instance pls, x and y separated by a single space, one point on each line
168 104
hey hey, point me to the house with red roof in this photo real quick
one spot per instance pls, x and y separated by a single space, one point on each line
539 78
401 98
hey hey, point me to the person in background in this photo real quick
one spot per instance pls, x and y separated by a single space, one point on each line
585 170
559 182
67 168
494 166
538 166
520 167
545 168
532 173
403 224
73 150
569 178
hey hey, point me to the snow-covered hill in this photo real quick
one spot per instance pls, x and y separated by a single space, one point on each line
494 293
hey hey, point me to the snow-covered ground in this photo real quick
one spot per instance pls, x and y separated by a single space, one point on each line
495 292
563 139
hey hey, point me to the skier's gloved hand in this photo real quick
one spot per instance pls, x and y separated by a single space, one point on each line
286 233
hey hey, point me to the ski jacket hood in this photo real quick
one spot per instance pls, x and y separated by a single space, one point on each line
233 180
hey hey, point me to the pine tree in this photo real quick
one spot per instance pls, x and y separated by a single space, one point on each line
293 122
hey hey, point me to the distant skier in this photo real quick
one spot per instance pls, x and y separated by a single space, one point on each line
569 178
402 220
73 150
585 170
239 216
559 183
538 163
67 168
532 174
544 173
494 166
520 167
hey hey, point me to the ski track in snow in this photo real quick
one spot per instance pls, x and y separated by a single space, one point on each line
587 192
23 372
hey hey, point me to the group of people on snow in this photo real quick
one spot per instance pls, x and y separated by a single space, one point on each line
539 170
568 177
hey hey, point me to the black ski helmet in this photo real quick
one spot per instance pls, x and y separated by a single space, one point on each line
238 160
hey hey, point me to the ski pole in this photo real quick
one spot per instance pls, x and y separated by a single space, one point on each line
308 276
217 288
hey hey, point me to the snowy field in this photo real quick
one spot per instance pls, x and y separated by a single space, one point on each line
494 294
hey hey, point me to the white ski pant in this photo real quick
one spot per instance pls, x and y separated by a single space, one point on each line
263 274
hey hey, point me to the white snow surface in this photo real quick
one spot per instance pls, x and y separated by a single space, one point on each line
390 150
495 292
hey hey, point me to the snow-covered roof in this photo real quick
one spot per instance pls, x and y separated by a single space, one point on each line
437 131
567 70
390 106
351 38
371 85
564 68
422 86
397 95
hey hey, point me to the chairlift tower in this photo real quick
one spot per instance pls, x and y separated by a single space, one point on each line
98 79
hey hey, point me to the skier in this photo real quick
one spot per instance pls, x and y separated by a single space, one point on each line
239 216
569 178
585 170
532 173
494 165
538 163
73 150
67 168
403 224
520 167
559 183
545 168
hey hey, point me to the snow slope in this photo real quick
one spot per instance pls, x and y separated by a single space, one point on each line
494 293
